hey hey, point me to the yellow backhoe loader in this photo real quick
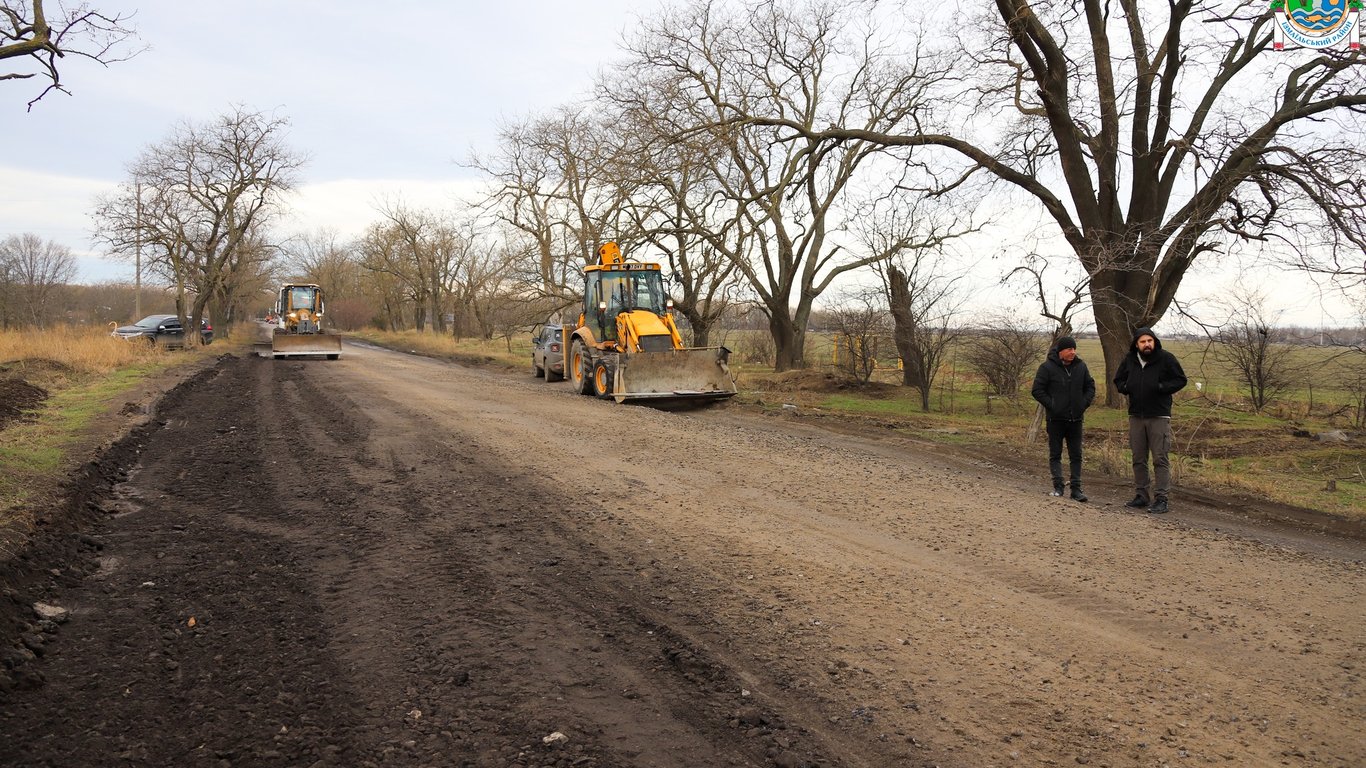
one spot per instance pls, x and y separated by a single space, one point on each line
626 347
298 325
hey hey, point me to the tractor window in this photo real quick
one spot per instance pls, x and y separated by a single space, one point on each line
301 298
633 290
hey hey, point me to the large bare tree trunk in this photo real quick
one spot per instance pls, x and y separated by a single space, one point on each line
789 341
1119 299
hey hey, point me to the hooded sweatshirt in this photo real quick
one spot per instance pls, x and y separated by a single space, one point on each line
1149 382
1065 391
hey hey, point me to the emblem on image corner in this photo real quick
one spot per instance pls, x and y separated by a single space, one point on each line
1316 24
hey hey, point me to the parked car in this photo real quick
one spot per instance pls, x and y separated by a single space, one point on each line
163 331
547 351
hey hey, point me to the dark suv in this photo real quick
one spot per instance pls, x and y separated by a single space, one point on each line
163 331
547 351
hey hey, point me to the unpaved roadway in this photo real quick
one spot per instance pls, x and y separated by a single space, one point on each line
393 561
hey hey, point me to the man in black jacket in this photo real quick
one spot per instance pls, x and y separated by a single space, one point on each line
1150 376
1065 389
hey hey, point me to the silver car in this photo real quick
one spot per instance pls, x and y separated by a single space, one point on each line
547 351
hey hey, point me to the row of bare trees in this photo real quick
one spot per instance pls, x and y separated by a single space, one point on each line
770 150
1158 134
416 269
197 208
34 273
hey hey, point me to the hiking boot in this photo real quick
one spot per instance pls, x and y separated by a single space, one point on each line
1077 495
1057 488
1159 507
1137 502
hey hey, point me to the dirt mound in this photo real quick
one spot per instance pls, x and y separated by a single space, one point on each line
811 382
17 396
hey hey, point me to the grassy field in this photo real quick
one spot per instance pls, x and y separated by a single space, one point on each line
82 372
1220 443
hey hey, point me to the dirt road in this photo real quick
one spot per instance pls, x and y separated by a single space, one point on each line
388 560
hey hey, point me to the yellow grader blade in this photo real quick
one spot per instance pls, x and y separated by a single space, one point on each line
674 378
292 344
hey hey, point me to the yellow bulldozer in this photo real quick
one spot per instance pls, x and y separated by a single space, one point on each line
297 321
626 347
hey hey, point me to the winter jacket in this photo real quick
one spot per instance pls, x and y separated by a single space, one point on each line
1149 386
1065 391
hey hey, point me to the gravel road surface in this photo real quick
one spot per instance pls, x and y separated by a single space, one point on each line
387 560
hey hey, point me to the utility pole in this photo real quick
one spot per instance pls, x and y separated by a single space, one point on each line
137 250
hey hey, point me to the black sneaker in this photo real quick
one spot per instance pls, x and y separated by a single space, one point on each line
1138 501
1159 507
1057 489
1077 495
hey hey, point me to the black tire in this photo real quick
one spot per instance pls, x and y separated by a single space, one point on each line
603 375
536 370
577 365
551 375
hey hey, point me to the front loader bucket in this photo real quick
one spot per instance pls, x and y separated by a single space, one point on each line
292 344
674 378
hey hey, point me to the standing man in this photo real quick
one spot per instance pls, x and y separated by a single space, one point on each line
1150 376
1065 389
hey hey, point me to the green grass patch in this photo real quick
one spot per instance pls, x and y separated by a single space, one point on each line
36 450
1218 441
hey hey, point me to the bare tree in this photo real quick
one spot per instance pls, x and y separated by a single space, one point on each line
33 273
924 303
555 184
248 276
200 202
490 306
36 41
9 290
860 324
1146 150
676 205
1003 352
1246 339
809 66
321 257
425 262
379 255
1057 302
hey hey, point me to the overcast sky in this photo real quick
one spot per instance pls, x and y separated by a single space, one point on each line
386 99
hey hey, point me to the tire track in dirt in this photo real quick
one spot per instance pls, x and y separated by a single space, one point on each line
1118 644
421 554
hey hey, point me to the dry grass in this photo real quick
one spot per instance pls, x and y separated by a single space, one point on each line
83 349
510 353
83 371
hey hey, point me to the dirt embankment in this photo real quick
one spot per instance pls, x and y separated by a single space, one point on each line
385 560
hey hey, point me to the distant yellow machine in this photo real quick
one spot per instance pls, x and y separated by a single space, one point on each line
626 347
299 324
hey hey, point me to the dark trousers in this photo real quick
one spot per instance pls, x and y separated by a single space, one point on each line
1069 431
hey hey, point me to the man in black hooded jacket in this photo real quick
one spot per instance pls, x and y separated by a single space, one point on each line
1150 376
1065 389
